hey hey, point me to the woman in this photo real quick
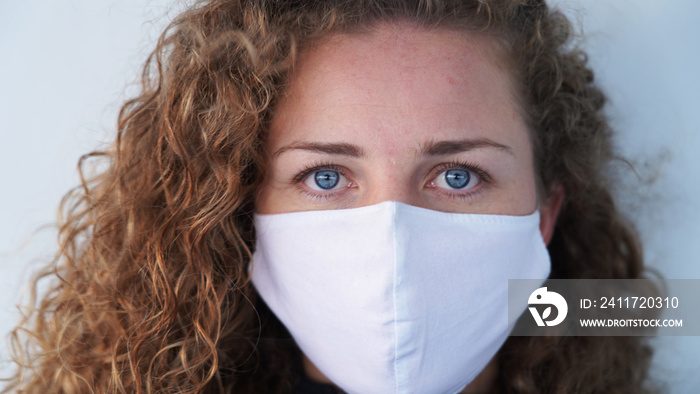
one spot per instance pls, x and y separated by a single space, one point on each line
398 110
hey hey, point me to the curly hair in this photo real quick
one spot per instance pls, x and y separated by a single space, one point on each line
150 290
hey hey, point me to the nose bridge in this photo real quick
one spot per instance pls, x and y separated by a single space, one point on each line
390 182
382 194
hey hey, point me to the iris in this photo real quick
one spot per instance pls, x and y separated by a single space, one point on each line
327 179
457 178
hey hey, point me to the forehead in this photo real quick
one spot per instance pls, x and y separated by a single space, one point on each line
397 79
406 46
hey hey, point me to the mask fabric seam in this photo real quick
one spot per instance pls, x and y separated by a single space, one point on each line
396 328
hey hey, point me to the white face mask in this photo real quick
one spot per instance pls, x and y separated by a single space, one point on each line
392 298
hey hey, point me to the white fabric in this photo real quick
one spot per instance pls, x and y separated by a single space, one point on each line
392 298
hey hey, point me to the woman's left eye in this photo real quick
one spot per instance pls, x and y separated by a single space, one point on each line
456 179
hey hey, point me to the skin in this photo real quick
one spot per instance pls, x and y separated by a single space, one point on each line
391 111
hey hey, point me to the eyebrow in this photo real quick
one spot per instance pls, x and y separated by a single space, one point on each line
434 148
437 148
343 149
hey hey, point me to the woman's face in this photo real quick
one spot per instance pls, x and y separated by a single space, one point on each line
427 118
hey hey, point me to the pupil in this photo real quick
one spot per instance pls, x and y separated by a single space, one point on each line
327 179
457 178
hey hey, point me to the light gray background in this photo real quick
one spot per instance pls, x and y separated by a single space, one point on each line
67 65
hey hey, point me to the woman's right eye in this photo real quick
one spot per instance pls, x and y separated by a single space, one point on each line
325 180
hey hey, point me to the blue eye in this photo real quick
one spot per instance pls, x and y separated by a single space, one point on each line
326 179
457 179
323 178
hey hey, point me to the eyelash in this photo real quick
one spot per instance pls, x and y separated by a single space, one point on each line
310 169
464 165
319 166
